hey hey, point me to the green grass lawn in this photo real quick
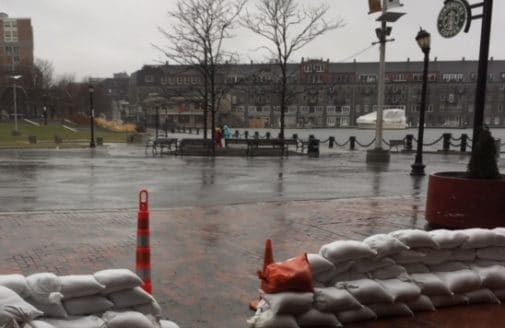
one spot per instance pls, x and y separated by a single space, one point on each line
46 136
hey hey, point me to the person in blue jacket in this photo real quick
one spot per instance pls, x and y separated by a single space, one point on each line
226 134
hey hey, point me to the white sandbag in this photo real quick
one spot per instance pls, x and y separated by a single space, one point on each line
390 272
362 314
385 245
152 308
368 265
130 297
391 310
289 303
448 238
482 296
430 284
54 310
117 279
78 322
38 324
334 300
435 256
415 238
449 267
367 291
44 287
401 291
168 324
323 270
491 253
422 304
79 285
408 257
12 306
87 305
349 275
16 283
461 281
440 301
268 319
314 318
492 277
344 250
480 238
128 319
500 294
461 254
416 268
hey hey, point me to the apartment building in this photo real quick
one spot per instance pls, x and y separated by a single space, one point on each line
16 44
326 94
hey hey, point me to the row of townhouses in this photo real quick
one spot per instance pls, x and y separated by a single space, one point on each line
321 93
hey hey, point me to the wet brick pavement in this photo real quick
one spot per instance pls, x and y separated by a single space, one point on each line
204 258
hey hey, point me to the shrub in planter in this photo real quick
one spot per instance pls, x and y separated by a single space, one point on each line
483 164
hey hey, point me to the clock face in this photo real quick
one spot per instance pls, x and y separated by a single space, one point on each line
452 18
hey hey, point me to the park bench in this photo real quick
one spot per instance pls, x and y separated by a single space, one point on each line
254 146
396 143
198 146
161 144
235 141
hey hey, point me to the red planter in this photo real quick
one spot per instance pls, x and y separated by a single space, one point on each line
455 201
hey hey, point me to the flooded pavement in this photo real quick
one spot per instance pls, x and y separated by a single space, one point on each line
75 212
110 178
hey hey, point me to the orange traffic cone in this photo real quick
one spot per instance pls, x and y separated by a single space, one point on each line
143 258
268 258
269 255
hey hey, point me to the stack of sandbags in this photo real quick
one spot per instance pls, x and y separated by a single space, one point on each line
393 274
110 297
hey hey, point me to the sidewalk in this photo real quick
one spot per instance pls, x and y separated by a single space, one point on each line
204 258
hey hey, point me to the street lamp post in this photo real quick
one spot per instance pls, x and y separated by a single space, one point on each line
423 39
45 108
91 117
15 101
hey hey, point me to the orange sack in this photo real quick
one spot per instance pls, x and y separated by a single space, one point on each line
294 275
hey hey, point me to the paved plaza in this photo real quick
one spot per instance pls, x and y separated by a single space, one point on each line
205 255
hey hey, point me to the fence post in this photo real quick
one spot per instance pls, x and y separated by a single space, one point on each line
352 142
295 136
237 134
447 141
464 142
246 134
332 142
408 143
256 135
268 135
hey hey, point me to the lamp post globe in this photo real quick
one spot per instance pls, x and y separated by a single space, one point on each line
91 90
423 39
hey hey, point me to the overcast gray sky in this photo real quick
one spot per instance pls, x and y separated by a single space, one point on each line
100 37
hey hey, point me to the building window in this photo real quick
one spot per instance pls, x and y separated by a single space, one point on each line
149 78
304 109
430 108
164 80
345 109
307 68
399 77
432 77
500 107
331 109
452 77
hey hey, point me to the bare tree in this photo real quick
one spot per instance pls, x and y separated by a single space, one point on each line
43 74
288 28
195 40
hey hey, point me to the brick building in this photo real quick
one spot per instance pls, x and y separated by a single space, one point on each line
325 94
16 44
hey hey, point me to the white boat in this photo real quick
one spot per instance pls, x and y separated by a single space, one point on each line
392 119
